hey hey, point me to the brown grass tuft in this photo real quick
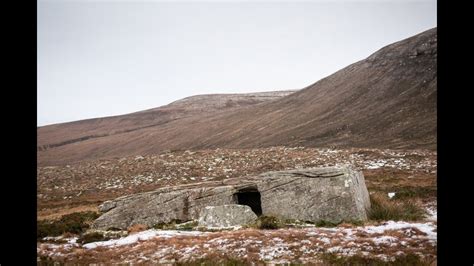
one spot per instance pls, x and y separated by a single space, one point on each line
383 209
137 228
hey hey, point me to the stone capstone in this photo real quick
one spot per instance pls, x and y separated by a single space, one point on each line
229 215
332 194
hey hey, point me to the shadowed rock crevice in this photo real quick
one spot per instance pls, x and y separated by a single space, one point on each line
250 198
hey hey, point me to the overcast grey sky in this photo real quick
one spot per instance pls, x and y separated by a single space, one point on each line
103 58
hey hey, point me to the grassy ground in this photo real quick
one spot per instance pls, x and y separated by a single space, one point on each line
67 210
61 188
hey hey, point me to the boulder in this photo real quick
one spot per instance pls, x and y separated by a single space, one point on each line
323 194
161 206
332 194
223 216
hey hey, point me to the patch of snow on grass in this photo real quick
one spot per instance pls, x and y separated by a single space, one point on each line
343 251
219 241
426 228
389 240
432 214
324 240
274 252
375 164
72 240
52 238
144 235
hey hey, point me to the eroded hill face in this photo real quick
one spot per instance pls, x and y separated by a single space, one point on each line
385 101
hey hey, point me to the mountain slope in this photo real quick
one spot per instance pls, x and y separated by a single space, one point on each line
67 133
387 100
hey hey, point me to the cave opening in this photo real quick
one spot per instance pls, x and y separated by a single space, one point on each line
251 198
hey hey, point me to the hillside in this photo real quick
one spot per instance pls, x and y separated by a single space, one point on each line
387 100
53 136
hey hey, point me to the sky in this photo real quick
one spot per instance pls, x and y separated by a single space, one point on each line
105 58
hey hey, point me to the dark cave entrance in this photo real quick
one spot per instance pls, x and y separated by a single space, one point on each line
251 198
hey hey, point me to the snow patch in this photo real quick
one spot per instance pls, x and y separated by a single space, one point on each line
140 236
426 228
375 164
432 214
388 240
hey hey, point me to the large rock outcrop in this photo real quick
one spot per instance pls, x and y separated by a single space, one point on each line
332 194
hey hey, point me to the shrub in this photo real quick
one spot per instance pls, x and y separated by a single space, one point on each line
225 261
74 223
137 228
268 222
91 237
48 261
168 226
383 209
415 192
412 212
323 223
176 224
188 226
356 222
346 223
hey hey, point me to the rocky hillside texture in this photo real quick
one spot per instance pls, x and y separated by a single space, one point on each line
320 194
387 100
